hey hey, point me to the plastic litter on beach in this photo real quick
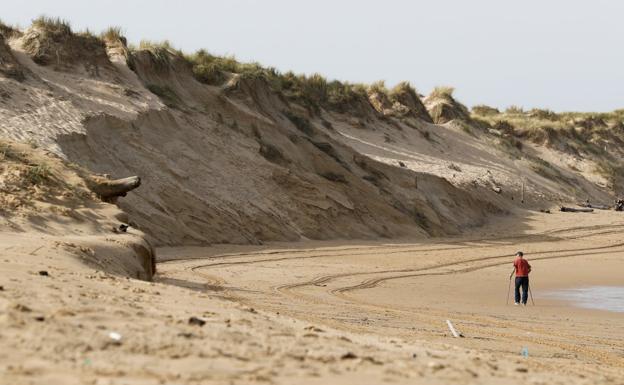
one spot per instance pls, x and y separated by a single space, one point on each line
454 332
114 336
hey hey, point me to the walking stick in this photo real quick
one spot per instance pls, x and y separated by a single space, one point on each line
508 291
531 294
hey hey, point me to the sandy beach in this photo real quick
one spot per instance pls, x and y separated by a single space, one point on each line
339 312
407 290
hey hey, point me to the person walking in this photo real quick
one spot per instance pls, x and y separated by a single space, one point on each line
522 270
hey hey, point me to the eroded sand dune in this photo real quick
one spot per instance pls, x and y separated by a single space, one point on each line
303 238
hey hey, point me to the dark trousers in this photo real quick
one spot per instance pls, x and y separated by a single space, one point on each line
524 282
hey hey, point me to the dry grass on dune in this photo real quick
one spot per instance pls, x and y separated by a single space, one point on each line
51 41
543 126
8 31
443 107
598 137
28 175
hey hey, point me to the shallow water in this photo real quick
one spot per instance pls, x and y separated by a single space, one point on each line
609 298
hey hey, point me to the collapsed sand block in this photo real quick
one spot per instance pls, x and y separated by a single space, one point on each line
53 43
130 256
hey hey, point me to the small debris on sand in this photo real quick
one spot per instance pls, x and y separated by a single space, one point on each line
196 321
22 308
115 337
44 273
435 366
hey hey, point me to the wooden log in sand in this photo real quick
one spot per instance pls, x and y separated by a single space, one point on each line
592 206
108 189
573 210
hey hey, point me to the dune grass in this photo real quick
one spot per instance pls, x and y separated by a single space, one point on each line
443 92
54 25
112 34
484 110
8 31
312 91
38 174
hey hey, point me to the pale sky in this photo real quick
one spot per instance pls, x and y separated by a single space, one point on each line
557 54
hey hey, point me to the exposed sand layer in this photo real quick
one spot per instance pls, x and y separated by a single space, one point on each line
240 163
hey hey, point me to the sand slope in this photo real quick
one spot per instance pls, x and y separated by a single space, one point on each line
241 164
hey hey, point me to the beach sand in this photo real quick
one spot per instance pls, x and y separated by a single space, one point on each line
406 291
315 312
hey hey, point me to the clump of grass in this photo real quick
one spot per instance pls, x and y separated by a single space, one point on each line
378 86
402 88
211 69
340 96
514 110
38 174
113 34
404 94
484 110
504 126
442 92
150 45
160 51
8 31
443 107
543 114
53 25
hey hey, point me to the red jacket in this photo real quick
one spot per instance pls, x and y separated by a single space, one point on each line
522 267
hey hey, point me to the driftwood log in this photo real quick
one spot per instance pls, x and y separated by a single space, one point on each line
573 210
593 206
109 189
